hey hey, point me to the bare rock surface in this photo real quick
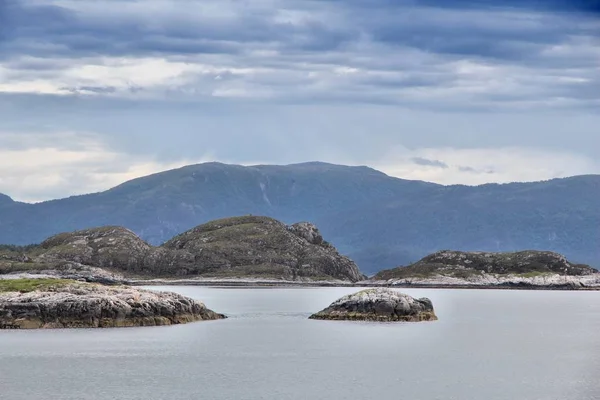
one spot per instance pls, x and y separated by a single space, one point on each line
378 304
69 304
485 280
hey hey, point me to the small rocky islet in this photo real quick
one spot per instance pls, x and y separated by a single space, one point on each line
378 304
57 303
529 269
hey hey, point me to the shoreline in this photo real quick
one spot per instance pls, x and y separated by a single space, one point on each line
115 279
291 284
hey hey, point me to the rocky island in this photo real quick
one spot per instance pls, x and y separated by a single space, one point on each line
249 247
56 303
256 250
523 269
378 304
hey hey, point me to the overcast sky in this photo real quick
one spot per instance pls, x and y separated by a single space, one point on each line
95 93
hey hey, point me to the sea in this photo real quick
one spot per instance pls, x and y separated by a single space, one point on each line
487 345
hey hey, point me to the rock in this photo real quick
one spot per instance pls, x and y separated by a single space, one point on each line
380 304
488 267
238 248
72 304
307 231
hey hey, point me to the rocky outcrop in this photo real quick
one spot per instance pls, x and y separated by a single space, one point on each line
263 247
307 231
237 248
109 246
82 305
465 264
378 304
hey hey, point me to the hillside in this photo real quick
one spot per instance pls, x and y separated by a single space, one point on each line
377 220
468 265
241 247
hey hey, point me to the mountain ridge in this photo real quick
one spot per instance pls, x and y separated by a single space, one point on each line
378 220
6 197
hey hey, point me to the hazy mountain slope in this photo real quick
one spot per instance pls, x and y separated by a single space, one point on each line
159 206
379 221
559 215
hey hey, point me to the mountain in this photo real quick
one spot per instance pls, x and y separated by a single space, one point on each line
238 247
377 220
5 200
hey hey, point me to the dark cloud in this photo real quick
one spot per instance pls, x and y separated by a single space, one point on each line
463 28
429 163
582 6
47 30
463 56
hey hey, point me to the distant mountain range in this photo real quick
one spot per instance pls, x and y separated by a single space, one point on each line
379 221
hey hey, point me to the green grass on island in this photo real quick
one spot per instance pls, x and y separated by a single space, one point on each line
30 285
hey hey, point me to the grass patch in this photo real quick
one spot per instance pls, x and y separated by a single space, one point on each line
30 285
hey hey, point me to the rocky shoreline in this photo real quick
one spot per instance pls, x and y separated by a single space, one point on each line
69 304
545 281
586 282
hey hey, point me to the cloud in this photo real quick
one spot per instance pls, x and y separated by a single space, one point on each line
476 166
160 83
431 55
64 164
429 163
59 165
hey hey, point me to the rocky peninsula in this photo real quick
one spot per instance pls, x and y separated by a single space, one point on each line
378 304
56 303
523 269
249 247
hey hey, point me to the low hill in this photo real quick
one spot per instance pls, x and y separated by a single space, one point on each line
377 220
457 264
240 247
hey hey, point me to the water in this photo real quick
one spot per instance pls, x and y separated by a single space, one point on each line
513 345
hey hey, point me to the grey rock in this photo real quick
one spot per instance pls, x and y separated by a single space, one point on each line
379 304
307 231
83 305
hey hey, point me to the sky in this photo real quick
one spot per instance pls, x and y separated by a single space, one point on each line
96 93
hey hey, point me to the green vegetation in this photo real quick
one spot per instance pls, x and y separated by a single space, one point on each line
30 285
17 249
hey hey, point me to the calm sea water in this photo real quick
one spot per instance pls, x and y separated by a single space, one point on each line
487 344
